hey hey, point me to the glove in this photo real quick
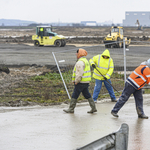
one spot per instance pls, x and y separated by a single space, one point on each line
105 78
93 66
5 69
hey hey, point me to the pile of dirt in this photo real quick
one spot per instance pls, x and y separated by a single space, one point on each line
16 75
15 78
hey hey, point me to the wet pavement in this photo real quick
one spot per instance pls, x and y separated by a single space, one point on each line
49 128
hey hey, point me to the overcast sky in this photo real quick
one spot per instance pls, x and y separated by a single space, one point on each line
45 11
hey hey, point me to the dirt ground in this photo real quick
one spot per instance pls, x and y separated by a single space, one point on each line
79 35
76 31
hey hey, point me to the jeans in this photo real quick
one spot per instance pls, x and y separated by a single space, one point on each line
81 87
97 88
127 91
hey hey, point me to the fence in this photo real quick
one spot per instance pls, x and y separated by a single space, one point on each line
125 60
115 141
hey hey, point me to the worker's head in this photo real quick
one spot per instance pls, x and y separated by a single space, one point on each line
81 52
106 54
148 63
105 57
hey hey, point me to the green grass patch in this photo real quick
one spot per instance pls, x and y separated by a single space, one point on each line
50 89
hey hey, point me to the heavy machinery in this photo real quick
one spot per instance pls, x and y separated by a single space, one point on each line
115 38
138 23
45 36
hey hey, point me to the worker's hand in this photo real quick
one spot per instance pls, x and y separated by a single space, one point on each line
75 83
93 65
105 78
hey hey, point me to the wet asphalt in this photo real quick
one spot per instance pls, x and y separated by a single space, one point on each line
49 128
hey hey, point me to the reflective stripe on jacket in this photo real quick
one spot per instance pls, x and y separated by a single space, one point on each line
139 77
87 71
105 66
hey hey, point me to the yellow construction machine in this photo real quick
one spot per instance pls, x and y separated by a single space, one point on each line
45 36
115 38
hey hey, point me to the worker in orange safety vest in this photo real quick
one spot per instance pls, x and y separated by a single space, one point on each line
138 78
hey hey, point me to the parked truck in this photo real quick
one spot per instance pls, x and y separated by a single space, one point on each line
45 36
115 38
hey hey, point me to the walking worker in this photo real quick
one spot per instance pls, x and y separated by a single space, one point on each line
81 78
138 78
103 68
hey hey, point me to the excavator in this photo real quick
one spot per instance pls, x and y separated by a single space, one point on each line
138 23
45 36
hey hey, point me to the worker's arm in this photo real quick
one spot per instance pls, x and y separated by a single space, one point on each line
79 71
94 60
111 69
147 74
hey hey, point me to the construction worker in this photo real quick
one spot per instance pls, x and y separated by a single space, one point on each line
41 32
81 78
138 78
103 68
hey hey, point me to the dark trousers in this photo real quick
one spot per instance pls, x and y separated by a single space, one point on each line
81 87
127 91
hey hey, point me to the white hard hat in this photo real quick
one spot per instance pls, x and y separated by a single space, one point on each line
148 63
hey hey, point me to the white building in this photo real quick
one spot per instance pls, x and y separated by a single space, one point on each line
131 18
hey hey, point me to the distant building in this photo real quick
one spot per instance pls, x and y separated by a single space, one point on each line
131 18
89 23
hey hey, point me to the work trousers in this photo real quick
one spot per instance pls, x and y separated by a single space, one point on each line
127 91
97 88
81 87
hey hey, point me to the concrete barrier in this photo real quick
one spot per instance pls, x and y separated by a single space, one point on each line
115 141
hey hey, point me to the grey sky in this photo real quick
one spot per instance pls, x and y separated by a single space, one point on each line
46 11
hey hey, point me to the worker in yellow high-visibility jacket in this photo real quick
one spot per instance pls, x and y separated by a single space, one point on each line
104 64
41 32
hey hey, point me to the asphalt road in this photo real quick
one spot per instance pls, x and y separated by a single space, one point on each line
21 54
49 128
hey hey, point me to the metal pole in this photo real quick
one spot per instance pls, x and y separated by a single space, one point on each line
124 49
61 75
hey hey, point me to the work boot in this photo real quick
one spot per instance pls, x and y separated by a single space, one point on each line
92 105
143 116
114 114
72 106
113 100
141 113
95 101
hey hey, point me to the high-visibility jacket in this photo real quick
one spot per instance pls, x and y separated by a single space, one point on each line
87 71
41 29
105 66
139 77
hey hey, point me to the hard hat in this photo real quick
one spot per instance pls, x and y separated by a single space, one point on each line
148 63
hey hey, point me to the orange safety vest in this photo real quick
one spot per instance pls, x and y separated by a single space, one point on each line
139 77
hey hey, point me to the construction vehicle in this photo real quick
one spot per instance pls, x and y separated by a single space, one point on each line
45 36
115 38
138 23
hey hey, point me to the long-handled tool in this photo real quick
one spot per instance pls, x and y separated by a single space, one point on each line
106 80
